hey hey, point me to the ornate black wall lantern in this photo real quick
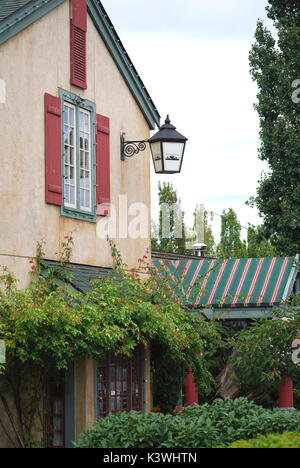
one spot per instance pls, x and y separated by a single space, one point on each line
167 148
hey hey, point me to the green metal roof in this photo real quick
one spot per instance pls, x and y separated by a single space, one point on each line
16 15
241 288
242 283
79 276
7 7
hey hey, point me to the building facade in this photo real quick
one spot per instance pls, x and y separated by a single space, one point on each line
67 90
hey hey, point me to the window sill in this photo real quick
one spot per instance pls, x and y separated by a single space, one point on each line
79 215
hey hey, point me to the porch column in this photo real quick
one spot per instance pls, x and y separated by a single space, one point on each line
285 393
190 392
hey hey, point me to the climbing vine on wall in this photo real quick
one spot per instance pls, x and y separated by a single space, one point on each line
49 324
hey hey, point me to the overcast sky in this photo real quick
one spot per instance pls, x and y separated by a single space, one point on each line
192 56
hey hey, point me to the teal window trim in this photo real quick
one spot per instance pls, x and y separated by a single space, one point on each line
77 213
69 406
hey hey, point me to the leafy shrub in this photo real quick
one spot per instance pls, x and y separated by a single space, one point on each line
200 426
127 430
285 440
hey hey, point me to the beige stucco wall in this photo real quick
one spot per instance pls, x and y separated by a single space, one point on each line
35 61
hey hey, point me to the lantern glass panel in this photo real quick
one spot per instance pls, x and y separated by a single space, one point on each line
156 155
172 156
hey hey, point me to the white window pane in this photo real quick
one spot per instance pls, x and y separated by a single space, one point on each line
67 153
71 116
172 155
72 156
71 137
67 173
72 195
81 140
82 198
156 155
66 135
87 199
65 115
86 180
72 175
67 193
81 122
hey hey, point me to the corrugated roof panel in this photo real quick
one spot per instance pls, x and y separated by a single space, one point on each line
80 275
231 283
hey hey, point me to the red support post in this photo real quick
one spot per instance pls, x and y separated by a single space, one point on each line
190 392
285 393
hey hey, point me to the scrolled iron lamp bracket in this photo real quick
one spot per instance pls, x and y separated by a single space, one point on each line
130 148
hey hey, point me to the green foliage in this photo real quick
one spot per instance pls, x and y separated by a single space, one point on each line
230 244
285 440
263 352
257 244
49 324
275 67
200 426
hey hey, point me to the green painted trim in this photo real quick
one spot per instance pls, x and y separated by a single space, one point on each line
69 407
143 396
124 65
91 107
96 407
19 20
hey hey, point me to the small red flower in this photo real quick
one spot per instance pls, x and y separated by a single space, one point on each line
156 410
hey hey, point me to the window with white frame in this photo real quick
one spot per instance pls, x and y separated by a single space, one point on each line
85 160
78 158
69 132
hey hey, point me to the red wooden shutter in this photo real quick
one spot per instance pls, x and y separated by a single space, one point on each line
53 155
103 166
78 30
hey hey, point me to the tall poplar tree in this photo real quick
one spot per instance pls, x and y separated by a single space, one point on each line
275 67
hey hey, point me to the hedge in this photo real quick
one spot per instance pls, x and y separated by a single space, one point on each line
200 426
285 440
